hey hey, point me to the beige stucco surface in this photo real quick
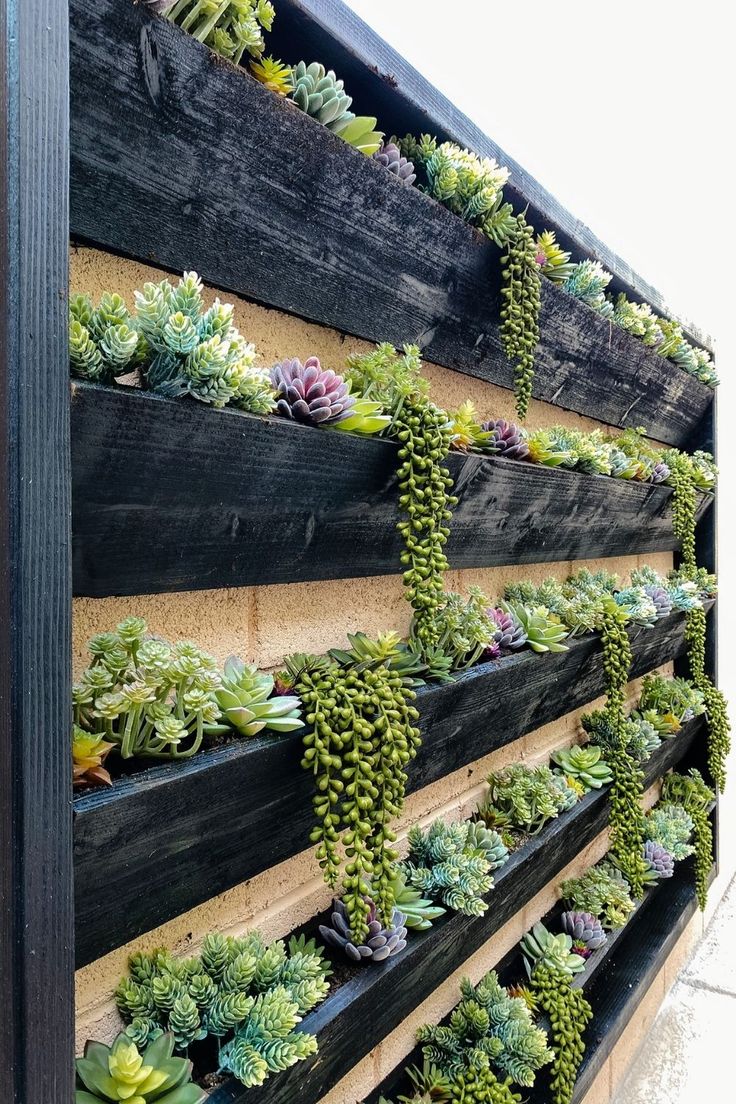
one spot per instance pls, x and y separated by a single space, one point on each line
262 624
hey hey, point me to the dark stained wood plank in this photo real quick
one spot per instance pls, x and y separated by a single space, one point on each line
204 167
383 83
237 500
36 906
373 1003
151 826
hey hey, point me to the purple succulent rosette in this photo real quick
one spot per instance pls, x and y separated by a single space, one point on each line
660 861
389 155
380 943
658 474
585 930
509 634
507 439
309 393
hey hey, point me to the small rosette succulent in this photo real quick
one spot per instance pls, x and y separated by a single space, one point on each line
544 630
418 911
660 863
89 751
509 635
585 930
309 393
122 1073
246 702
540 947
318 92
380 943
389 155
507 439
584 764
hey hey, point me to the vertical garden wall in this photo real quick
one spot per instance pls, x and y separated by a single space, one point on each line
436 466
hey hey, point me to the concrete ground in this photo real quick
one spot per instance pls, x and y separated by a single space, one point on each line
687 1055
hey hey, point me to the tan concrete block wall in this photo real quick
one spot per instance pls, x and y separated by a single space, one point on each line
262 624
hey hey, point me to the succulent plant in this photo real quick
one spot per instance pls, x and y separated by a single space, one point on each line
540 947
585 930
121 1073
637 319
365 416
588 282
147 697
389 155
553 260
569 1013
238 990
488 1025
418 911
584 764
526 796
521 298
602 891
247 705
507 439
466 433
309 393
694 796
545 448
319 93
638 605
509 635
461 628
379 944
659 863
104 342
544 630
229 27
671 827
273 75
453 863
89 751
196 351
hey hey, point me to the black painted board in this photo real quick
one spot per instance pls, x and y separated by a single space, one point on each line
36 901
373 1003
153 825
384 84
206 168
172 495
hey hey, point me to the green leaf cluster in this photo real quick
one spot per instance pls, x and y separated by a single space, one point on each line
671 826
245 698
488 1028
691 792
602 891
541 948
104 342
525 798
461 629
452 863
318 92
237 989
585 765
231 28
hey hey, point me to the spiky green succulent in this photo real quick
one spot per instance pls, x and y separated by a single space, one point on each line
231 28
553 260
452 863
585 764
104 342
588 282
638 319
121 1073
248 705
540 947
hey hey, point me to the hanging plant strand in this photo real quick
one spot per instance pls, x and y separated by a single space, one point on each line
569 1013
719 727
521 293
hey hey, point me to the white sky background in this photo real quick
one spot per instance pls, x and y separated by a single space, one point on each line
625 112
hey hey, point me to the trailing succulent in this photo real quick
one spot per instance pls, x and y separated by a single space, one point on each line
487 1028
231 28
361 735
146 697
719 726
380 942
121 1072
585 765
569 1013
238 990
453 863
692 794
640 735
521 296
541 948
603 892
525 798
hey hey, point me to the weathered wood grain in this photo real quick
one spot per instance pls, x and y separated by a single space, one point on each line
36 906
236 500
383 83
376 1000
205 167
181 828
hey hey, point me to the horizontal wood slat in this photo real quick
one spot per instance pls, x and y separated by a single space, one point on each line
206 168
188 831
383 83
374 1002
237 500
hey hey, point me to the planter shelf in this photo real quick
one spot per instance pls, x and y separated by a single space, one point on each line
614 981
378 998
191 830
206 167
196 498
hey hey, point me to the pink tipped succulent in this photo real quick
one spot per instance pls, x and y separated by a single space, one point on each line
389 155
310 393
492 651
509 634
540 257
507 439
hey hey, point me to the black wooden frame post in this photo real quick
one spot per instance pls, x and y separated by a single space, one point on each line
36 925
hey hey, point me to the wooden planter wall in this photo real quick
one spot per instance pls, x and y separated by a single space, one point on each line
180 160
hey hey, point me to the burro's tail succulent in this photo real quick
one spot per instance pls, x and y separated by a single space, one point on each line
246 703
310 393
380 943
122 1073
